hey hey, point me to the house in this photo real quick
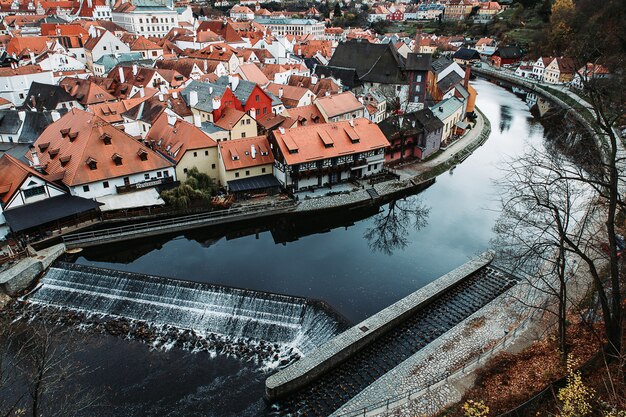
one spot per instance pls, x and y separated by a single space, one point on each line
209 101
507 55
486 46
146 17
138 120
412 135
85 92
246 166
147 48
101 43
254 100
188 67
318 86
107 62
30 200
42 97
377 13
184 144
525 70
421 77
24 126
450 111
588 73
539 67
466 56
560 70
344 106
16 81
238 123
375 105
302 116
325 154
241 13
95 159
291 96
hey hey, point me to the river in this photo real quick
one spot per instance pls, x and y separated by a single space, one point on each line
358 262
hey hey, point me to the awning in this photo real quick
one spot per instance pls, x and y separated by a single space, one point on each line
462 125
143 198
48 210
253 183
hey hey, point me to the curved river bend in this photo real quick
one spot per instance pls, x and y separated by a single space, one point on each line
370 261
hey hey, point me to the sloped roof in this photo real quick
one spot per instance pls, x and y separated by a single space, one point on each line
230 118
206 93
88 131
85 91
12 174
380 63
46 96
339 104
418 62
241 149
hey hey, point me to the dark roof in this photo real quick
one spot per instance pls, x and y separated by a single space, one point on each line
48 210
411 123
35 122
509 52
378 63
16 150
441 64
46 96
253 183
10 121
466 54
243 90
348 76
449 81
418 62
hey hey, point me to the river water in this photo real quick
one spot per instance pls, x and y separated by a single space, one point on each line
357 261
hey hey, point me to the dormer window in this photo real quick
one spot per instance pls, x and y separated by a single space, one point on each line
53 153
143 155
64 132
65 160
92 163
43 146
72 136
106 138
117 159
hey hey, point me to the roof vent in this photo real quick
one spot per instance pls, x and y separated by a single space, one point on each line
73 136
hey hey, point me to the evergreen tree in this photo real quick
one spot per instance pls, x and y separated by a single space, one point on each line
337 10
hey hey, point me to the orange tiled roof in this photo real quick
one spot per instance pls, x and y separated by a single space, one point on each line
237 154
12 174
230 118
36 44
80 137
175 140
25 70
309 143
338 104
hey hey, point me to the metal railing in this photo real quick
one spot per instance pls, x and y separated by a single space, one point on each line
167 224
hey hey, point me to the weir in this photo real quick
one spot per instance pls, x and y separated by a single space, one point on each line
296 322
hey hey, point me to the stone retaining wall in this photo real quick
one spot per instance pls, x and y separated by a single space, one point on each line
346 344
19 277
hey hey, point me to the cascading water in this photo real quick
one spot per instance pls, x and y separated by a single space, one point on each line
234 314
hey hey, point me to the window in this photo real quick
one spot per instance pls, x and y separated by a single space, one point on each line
159 174
31 192
86 188
264 110
263 170
236 175
243 134
418 78
247 173
185 170
206 153
212 166
104 48
257 98
146 176
105 184
166 174
117 48
195 154
247 121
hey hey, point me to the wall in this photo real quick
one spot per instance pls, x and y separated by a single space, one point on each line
206 161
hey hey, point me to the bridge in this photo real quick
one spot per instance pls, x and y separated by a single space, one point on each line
327 378
178 224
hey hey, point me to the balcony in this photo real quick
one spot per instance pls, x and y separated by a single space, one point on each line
144 184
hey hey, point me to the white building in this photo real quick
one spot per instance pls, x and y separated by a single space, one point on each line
147 18
289 26
15 82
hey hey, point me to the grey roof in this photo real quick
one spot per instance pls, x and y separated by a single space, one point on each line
206 92
418 62
46 96
275 100
441 64
377 63
446 108
449 81
243 90
466 54
10 122
208 128
16 150
509 52
35 122
410 123
348 76
462 90
110 61
284 21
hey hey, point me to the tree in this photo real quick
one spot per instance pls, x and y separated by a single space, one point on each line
337 10
198 187
545 10
562 14
391 226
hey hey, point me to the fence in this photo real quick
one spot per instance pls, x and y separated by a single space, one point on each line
174 224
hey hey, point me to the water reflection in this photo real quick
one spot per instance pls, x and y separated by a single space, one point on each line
506 118
391 228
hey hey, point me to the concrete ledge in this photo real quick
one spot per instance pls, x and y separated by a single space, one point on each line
16 279
352 340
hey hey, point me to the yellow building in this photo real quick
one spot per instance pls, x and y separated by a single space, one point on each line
245 158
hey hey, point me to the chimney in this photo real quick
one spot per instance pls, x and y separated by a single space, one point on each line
314 79
122 78
193 98
281 130
171 119
142 92
135 70
280 92
253 151
206 66
253 113
217 103
161 97
34 156
468 72
196 120
210 49
32 58
55 115
174 94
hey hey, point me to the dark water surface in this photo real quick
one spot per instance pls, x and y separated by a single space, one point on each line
347 267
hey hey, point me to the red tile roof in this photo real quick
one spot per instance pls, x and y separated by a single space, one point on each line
174 140
329 140
339 104
12 174
79 137
237 154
